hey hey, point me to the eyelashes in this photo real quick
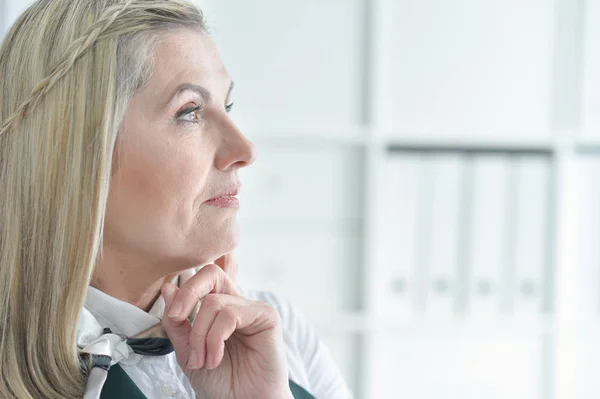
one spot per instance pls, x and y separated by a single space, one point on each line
194 113
190 114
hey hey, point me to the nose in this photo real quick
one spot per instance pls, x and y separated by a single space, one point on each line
235 150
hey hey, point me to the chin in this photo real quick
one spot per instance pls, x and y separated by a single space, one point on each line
222 241
231 240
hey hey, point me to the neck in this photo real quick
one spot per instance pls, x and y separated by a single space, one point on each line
132 278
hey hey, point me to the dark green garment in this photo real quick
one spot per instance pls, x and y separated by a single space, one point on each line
118 385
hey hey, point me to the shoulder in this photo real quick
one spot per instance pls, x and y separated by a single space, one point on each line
310 362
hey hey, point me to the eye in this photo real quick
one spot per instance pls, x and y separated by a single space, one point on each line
191 114
229 106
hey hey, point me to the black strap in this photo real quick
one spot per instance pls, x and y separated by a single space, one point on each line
101 361
151 346
148 346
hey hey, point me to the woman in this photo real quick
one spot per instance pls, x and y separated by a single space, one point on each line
118 175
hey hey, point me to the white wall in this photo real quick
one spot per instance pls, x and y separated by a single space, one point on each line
591 82
10 10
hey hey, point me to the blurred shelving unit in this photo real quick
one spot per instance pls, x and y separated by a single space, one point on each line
415 98
464 78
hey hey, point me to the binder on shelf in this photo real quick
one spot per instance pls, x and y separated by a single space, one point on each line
442 232
531 249
399 225
591 69
587 271
487 257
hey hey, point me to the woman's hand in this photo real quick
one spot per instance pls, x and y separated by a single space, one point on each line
235 348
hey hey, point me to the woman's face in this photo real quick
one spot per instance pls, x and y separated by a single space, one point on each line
177 150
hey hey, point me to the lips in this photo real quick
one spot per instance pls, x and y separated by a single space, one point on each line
227 198
225 202
227 193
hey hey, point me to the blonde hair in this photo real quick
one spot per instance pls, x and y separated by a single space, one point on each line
68 70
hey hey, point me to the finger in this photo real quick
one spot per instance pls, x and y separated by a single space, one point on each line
177 331
209 279
210 308
229 265
224 325
254 316
236 315
222 261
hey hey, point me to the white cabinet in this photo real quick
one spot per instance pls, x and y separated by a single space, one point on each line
468 67
296 63
344 348
297 184
318 271
586 352
591 71
587 269
441 364
466 77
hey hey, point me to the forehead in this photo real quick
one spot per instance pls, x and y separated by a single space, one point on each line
187 56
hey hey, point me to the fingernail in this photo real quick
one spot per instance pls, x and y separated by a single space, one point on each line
194 360
176 310
209 364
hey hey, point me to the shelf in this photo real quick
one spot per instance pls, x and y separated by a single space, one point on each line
588 143
358 322
500 325
475 143
369 136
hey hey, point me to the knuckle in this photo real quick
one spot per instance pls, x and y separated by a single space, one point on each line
189 292
270 311
213 269
229 314
212 301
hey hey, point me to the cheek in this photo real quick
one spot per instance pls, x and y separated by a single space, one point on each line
160 179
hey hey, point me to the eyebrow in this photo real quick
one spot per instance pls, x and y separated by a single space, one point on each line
201 91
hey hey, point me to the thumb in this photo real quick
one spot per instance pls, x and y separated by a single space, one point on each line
177 331
229 265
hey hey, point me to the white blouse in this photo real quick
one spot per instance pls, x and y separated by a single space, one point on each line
309 361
